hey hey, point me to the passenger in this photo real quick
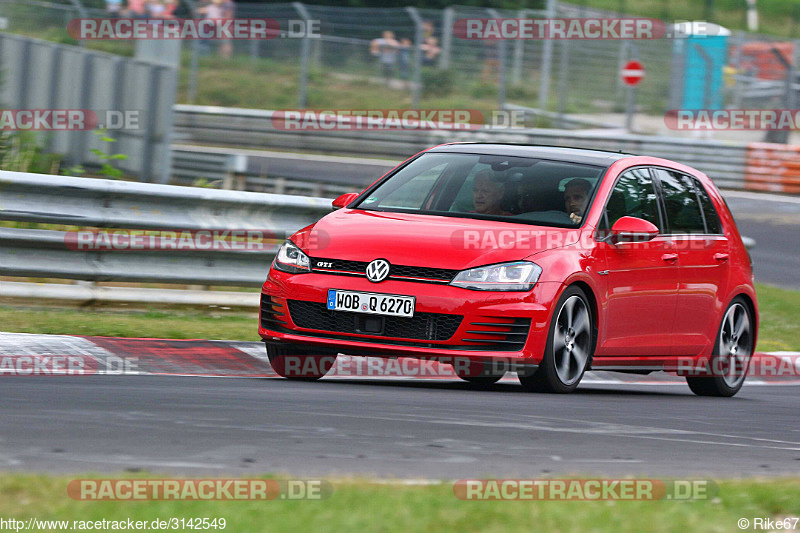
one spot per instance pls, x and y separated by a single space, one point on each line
487 194
525 197
576 196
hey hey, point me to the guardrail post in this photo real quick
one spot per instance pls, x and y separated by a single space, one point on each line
447 38
82 13
501 67
417 89
235 168
622 58
547 59
519 51
562 81
782 136
191 92
305 52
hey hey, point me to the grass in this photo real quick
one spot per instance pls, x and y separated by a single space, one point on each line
780 328
158 324
272 84
780 319
358 504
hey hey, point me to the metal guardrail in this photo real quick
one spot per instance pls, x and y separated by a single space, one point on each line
723 162
275 172
81 202
84 202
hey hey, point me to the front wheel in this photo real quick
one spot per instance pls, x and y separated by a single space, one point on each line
731 356
570 346
299 363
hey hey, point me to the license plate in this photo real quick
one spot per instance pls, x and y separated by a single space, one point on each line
371 302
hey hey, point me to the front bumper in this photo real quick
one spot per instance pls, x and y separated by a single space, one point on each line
480 325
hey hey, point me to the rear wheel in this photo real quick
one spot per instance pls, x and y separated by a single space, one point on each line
569 349
299 363
731 356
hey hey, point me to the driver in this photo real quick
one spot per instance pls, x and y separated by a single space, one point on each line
576 196
487 193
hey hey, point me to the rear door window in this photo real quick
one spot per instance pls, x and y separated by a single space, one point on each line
681 202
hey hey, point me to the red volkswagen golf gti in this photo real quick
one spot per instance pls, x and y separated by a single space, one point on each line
544 261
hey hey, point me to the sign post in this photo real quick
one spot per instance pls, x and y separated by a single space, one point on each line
632 73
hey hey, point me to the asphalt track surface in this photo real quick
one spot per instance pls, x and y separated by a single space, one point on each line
439 428
395 428
774 222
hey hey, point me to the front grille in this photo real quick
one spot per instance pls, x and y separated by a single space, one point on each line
345 267
422 326
498 334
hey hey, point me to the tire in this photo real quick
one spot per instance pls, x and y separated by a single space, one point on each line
299 363
569 349
732 353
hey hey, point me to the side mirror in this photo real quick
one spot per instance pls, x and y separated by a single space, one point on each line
632 229
344 200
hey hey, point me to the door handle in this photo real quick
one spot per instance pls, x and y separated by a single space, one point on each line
670 257
721 257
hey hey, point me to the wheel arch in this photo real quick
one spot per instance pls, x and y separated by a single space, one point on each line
751 306
588 291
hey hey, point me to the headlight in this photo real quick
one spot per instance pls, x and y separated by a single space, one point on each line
517 276
291 259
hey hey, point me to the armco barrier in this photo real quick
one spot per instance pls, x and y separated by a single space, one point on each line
81 202
278 172
723 162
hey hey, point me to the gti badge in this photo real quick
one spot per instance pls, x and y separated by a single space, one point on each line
378 270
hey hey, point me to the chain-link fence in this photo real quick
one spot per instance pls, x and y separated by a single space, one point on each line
427 65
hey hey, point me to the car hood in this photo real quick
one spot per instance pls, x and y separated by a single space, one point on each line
426 240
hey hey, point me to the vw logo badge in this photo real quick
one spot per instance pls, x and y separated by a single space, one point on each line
378 270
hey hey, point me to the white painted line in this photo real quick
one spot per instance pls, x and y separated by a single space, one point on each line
769 197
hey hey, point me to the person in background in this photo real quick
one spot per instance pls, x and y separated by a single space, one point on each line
228 12
576 196
170 6
430 50
137 9
114 8
385 49
155 9
404 58
491 61
427 30
220 10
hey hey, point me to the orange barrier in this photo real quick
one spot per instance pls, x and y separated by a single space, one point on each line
772 167
758 58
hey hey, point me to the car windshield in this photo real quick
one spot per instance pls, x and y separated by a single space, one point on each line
495 187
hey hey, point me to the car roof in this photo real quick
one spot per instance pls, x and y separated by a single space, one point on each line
558 153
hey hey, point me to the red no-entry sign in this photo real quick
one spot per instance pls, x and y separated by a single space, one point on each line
632 73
